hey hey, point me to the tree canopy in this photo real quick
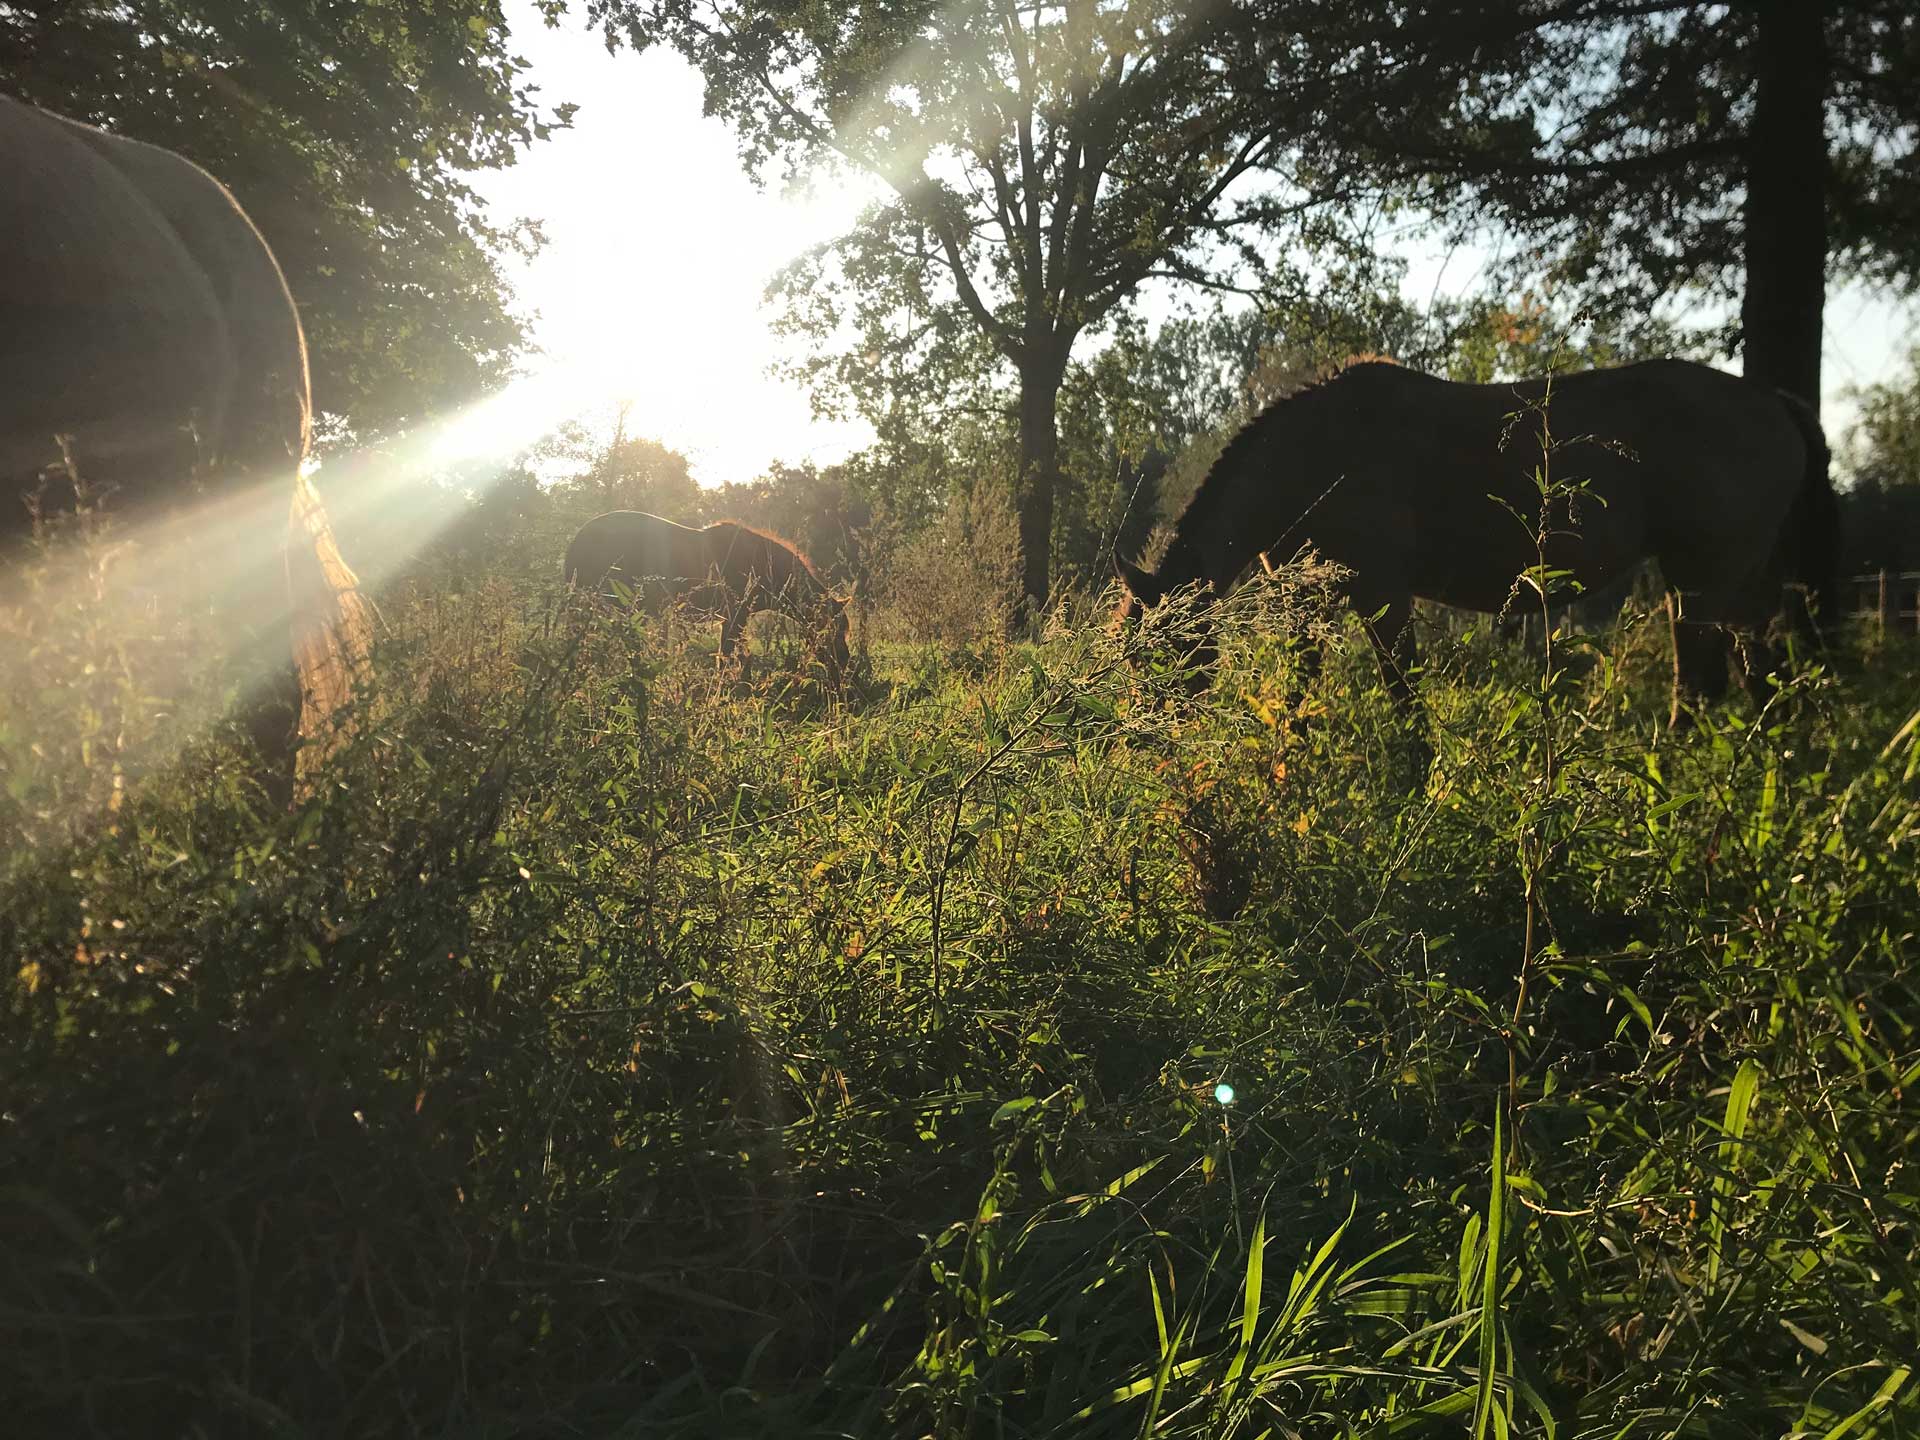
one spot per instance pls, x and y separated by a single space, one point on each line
1664 148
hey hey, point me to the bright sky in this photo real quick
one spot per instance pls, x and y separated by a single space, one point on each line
659 248
649 290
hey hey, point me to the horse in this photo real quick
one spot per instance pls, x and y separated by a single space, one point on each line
1420 487
150 348
727 569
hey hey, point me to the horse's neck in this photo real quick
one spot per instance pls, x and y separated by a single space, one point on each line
805 595
730 554
1247 510
774 575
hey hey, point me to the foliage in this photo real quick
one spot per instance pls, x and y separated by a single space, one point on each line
1880 508
1884 448
345 132
617 1047
1652 151
1038 165
633 472
952 584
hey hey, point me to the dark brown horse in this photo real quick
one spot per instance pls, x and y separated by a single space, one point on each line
727 569
1425 488
145 326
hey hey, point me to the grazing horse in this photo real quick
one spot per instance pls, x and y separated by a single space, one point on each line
1421 487
726 569
148 341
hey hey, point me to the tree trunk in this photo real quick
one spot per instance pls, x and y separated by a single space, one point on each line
1786 209
1039 477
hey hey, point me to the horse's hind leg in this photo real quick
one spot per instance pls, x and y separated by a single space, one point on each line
1735 630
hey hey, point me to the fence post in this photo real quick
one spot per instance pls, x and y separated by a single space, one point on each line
1881 613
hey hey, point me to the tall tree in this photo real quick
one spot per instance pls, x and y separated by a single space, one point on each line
1042 159
345 132
1743 151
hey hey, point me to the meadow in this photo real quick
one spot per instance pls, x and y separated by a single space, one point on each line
1017 1045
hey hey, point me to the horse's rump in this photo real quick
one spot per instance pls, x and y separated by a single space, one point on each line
143 316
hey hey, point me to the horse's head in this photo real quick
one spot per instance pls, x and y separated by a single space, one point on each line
1140 590
1191 634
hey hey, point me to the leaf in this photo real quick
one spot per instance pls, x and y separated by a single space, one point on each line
1882 1398
1746 1083
1013 1108
1668 806
1805 1337
1249 1307
1138 1171
1483 1408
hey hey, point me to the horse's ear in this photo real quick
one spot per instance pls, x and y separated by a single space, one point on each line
1142 586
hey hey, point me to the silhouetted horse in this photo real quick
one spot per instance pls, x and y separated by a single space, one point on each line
1424 488
143 318
727 569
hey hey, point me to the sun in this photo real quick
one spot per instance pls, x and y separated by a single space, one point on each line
649 288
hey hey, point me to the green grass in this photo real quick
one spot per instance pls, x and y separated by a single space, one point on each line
619 1048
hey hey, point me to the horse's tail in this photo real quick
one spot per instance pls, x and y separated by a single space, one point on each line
1813 544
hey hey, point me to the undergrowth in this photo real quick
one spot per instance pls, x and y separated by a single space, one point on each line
618 1045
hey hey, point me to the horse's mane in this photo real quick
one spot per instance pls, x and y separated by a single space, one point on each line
785 544
1248 437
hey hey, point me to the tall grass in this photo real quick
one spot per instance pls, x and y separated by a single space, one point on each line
619 1046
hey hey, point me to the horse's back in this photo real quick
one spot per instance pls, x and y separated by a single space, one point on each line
637 546
1687 463
1712 455
143 315
1656 423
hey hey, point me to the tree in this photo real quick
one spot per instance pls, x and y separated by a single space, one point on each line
626 472
1654 148
344 131
1884 448
1126 412
1880 508
1041 158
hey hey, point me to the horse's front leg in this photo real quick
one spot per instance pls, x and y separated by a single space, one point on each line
1398 654
1393 645
733 623
1307 661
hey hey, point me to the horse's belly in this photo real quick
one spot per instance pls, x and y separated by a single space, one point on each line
131 384
1482 561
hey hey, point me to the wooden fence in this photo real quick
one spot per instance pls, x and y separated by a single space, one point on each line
1890 598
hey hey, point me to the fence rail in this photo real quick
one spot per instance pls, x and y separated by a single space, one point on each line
1889 597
